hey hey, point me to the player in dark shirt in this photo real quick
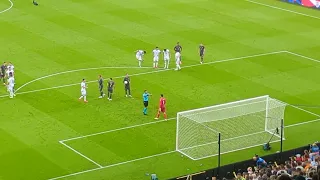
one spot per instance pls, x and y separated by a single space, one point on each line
110 88
100 82
3 72
178 48
126 82
202 50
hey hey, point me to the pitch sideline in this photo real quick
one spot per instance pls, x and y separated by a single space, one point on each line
282 9
11 5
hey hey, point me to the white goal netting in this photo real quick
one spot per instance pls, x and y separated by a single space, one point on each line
242 124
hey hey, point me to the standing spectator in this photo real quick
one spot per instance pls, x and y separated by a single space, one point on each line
314 151
260 163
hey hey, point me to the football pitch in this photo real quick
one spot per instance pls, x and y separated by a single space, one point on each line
253 48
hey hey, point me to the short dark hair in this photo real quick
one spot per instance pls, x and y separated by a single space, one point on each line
161 95
110 78
145 52
83 79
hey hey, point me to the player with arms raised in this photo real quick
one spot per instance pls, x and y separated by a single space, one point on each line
139 55
156 53
83 91
202 50
162 108
166 58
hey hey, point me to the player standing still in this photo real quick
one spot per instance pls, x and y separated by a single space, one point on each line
202 50
139 54
156 54
145 97
127 82
83 91
166 58
110 89
162 108
178 61
11 85
178 48
3 73
100 82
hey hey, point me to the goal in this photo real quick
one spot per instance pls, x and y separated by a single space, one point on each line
241 124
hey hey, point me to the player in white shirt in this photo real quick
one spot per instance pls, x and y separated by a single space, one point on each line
139 55
11 85
178 60
11 66
83 91
166 58
156 53
8 73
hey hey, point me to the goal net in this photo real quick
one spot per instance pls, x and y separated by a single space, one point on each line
242 124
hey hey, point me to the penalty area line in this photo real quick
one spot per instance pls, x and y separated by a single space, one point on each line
113 165
11 5
77 152
150 72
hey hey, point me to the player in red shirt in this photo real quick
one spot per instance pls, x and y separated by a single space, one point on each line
162 107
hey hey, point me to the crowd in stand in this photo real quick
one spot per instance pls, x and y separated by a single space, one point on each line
304 166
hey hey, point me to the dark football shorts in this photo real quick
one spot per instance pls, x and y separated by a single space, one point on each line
145 103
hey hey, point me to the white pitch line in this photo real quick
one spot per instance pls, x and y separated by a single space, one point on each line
282 9
119 129
11 5
112 165
77 70
72 149
304 110
150 72
302 123
147 157
306 57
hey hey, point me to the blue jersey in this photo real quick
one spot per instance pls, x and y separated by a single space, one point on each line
145 96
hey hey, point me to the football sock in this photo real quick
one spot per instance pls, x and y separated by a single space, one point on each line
156 64
85 98
139 63
80 97
158 115
165 115
145 110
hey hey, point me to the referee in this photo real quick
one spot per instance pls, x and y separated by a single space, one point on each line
127 82
100 82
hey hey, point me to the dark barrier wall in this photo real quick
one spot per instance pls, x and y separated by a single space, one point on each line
227 170
306 3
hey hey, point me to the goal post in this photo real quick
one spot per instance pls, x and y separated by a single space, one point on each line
242 124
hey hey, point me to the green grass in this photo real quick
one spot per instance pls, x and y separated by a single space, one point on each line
66 35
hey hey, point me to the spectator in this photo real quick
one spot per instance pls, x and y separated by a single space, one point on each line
305 155
314 150
299 166
260 163
315 177
284 177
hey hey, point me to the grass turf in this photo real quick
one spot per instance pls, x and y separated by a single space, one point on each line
65 35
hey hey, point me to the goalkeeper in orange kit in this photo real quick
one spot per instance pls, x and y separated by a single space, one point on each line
162 107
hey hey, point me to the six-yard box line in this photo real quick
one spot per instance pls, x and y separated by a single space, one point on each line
144 124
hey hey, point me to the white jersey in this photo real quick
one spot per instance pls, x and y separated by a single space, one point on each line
11 67
139 55
177 56
156 54
11 82
83 88
10 71
166 54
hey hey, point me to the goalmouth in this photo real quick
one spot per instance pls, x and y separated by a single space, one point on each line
242 124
